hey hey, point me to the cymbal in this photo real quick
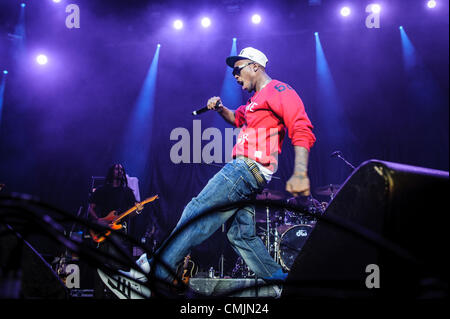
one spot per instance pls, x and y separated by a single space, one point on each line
327 190
270 194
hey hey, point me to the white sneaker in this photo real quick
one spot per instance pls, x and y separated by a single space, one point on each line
144 265
127 286
123 287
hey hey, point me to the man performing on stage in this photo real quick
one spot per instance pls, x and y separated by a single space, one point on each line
114 195
274 107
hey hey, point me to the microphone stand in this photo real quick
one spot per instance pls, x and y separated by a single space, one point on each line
339 154
222 258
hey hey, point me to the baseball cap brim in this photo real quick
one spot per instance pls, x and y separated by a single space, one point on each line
231 60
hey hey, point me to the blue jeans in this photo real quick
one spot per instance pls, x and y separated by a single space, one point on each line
233 183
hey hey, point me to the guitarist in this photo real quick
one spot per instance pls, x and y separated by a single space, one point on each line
113 195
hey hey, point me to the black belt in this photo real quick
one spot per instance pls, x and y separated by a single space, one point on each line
255 170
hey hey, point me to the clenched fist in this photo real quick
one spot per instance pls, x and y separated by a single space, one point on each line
298 185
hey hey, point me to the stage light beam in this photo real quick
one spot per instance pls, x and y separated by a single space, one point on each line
19 38
2 92
409 51
256 19
231 94
42 59
133 152
432 4
178 24
346 11
206 22
376 8
330 107
421 83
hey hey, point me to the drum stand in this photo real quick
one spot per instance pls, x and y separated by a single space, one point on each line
275 235
275 245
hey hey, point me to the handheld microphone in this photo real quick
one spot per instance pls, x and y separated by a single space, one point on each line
204 109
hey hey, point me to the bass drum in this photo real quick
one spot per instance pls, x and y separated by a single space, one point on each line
291 242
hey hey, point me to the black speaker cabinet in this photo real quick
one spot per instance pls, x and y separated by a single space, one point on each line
384 234
24 273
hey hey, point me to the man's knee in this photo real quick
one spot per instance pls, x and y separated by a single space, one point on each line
236 234
233 235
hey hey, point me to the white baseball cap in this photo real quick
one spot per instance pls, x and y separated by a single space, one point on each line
248 53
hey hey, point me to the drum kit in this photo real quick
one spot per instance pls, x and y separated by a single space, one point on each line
285 231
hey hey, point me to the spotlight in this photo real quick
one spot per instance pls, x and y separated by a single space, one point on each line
432 4
5 71
159 45
256 19
23 5
206 22
178 24
316 34
41 59
234 39
56 1
345 11
376 8
400 27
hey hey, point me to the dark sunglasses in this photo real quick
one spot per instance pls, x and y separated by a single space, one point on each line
237 70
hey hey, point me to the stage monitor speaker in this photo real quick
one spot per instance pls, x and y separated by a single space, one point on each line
403 204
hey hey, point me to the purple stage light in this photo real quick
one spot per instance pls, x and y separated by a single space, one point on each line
345 11
432 4
256 19
42 59
178 24
206 22
56 1
376 8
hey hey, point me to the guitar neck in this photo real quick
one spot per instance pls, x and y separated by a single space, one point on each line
132 209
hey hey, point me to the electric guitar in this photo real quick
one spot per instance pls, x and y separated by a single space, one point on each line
112 219
187 270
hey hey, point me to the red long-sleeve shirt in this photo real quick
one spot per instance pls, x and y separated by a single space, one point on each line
264 120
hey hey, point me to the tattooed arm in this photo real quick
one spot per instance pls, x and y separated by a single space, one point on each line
298 184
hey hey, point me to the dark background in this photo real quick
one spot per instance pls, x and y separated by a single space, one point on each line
63 123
